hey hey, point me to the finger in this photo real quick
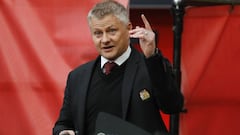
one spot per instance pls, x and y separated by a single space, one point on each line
137 33
146 23
137 29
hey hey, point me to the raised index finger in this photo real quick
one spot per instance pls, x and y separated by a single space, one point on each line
146 23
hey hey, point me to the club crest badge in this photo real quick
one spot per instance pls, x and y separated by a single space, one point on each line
144 94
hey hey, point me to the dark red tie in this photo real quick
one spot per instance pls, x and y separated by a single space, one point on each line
108 67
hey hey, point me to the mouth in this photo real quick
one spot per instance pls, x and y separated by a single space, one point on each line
107 48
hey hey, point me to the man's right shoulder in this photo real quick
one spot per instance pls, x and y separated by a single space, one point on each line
85 66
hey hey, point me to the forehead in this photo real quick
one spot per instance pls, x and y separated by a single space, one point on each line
107 21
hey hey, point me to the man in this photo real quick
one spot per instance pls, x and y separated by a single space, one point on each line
134 90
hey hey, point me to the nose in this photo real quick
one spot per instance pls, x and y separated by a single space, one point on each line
105 38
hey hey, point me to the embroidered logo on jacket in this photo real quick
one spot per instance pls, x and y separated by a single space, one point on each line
144 94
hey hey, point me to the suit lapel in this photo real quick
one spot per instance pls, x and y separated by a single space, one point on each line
82 87
129 76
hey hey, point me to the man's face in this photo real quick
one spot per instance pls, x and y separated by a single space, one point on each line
110 36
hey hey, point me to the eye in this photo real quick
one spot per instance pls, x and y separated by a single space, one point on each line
112 31
97 33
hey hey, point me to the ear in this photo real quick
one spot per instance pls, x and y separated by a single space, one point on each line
129 26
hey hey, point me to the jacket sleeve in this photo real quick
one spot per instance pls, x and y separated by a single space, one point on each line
167 95
64 122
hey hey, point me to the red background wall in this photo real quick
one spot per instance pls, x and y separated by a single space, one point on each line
210 70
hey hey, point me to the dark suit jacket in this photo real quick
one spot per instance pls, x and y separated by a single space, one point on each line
140 73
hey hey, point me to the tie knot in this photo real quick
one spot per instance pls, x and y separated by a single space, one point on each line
108 67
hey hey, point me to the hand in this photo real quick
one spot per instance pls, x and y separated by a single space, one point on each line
67 132
146 37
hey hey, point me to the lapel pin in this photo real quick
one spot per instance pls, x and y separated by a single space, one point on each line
144 94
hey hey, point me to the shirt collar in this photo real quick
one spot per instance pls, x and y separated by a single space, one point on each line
120 60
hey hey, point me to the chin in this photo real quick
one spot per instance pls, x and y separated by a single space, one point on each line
109 56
